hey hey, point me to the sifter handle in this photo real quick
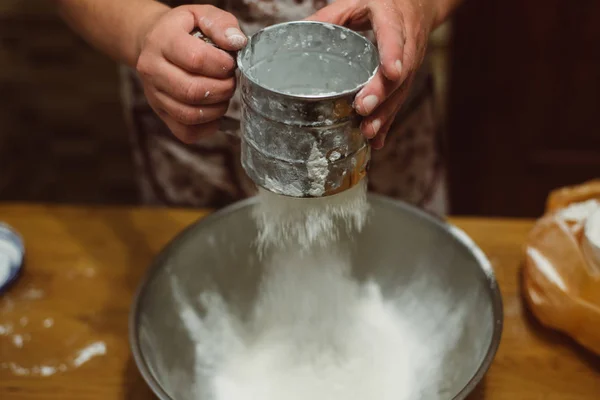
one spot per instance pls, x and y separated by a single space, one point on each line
200 35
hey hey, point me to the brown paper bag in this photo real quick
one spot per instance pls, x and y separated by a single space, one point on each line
561 283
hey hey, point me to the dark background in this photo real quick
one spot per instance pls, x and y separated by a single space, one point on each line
62 134
524 103
520 81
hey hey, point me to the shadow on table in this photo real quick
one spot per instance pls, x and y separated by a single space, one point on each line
136 387
554 338
134 242
479 392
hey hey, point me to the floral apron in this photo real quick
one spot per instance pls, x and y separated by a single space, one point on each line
209 174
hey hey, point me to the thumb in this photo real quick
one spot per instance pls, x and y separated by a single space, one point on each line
390 36
220 26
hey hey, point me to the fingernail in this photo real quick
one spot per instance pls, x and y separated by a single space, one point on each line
369 103
399 67
375 125
236 38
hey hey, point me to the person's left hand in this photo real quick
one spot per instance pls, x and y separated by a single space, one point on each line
401 29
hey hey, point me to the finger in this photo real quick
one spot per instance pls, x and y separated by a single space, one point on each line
174 42
190 134
187 88
413 55
183 113
376 123
378 141
334 13
374 94
221 26
198 57
390 34
342 13
185 133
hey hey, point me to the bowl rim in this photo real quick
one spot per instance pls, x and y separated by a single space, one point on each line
457 233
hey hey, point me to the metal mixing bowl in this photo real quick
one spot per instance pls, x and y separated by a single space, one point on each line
400 248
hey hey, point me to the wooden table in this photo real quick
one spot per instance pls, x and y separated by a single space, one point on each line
63 325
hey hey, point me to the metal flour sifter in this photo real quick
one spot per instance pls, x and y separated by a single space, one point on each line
300 134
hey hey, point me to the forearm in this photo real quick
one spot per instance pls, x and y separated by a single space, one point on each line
116 27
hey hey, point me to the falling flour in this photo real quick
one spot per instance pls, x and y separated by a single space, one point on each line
314 331
313 222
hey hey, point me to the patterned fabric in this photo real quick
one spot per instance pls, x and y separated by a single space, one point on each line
208 173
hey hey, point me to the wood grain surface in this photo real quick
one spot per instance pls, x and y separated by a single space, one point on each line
63 325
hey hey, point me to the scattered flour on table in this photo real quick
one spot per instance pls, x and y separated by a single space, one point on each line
50 367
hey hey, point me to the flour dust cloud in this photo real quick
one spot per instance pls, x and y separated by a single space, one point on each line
303 224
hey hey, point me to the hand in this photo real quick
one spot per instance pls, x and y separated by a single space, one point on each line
401 29
187 82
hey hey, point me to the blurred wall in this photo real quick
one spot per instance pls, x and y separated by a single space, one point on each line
524 103
62 135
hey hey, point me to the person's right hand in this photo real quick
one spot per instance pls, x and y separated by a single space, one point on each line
187 82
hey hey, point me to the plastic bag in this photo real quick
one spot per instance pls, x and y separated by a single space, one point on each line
562 270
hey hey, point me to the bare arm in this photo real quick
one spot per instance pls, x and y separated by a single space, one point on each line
116 27
187 82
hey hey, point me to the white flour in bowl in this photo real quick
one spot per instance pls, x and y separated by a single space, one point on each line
317 333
